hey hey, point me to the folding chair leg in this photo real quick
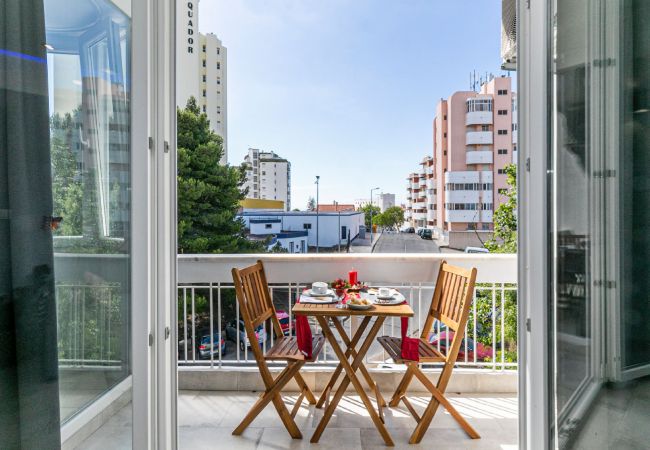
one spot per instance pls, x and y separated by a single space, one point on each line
304 388
272 394
402 387
438 398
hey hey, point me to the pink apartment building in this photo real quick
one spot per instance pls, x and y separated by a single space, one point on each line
456 191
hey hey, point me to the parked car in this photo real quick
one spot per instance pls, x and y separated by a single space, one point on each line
286 325
426 234
206 347
419 231
482 352
476 250
231 334
408 230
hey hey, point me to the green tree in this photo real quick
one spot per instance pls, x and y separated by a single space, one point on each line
367 209
67 190
392 217
505 218
209 193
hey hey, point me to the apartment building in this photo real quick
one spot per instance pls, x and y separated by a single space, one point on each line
456 191
201 70
386 201
268 176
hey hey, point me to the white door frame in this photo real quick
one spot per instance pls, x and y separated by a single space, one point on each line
533 99
153 147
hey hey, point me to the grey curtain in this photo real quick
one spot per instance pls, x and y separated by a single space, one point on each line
29 394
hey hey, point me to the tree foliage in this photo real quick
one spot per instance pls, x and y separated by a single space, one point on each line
67 189
311 204
391 218
505 218
367 209
209 193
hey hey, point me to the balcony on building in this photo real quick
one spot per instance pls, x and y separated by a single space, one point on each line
478 157
478 138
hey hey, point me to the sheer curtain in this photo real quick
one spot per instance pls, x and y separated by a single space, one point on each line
29 399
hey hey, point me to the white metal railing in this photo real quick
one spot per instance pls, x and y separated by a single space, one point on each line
89 318
208 307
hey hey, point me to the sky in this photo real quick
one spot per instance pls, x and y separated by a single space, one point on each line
347 89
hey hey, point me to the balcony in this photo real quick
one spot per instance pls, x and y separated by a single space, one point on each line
478 118
217 391
478 138
478 157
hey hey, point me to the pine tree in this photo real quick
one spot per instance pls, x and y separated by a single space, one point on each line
209 193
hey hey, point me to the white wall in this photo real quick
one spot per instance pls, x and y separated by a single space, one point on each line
215 86
328 225
188 51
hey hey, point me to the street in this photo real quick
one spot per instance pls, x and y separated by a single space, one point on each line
405 243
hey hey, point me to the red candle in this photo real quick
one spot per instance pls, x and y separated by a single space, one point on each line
352 277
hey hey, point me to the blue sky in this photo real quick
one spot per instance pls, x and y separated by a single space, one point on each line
347 89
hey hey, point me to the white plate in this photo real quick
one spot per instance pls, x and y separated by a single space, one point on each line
329 293
359 307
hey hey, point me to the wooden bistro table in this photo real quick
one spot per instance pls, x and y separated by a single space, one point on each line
351 360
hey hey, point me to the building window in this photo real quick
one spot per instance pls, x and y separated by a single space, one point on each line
501 171
218 50
514 127
445 153
503 112
204 78
218 65
203 108
204 49
263 172
486 226
204 92
485 127
218 80
444 117
502 92
502 132
479 104
444 134
204 63
268 226
503 191
502 151
344 232
306 226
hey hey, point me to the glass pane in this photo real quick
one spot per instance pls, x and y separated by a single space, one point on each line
635 195
88 58
572 159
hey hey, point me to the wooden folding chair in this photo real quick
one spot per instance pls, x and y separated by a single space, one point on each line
452 299
256 308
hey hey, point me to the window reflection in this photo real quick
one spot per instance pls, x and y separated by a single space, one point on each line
88 77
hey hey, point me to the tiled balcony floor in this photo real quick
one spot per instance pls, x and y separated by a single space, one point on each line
206 420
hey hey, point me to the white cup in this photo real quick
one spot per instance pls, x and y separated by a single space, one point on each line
319 288
384 292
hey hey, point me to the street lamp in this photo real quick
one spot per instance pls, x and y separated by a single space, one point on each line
373 189
317 208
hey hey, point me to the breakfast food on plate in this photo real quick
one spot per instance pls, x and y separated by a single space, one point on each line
355 299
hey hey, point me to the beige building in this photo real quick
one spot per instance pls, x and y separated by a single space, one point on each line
201 70
268 176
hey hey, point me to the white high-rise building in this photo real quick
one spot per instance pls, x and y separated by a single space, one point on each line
386 201
268 176
201 70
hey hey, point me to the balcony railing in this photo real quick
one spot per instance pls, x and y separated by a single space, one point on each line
207 305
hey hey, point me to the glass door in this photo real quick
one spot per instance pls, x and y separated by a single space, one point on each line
630 196
576 215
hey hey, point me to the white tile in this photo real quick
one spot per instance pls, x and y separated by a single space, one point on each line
209 438
332 438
